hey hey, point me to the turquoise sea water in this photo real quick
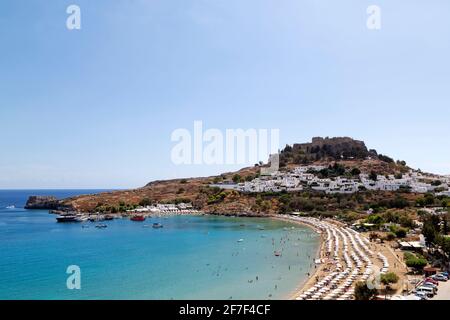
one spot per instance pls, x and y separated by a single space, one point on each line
190 258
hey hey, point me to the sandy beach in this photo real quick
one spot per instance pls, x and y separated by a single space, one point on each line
376 256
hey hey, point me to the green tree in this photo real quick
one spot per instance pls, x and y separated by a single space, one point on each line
145 202
237 178
363 292
429 199
389 278
375 219
399 203
431 228
415 262
401 232
420 202
445 244
398 176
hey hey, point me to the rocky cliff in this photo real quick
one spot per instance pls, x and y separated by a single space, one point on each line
42 203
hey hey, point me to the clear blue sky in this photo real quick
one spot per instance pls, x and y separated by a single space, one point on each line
95 108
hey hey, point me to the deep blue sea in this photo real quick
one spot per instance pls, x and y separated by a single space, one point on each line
190 258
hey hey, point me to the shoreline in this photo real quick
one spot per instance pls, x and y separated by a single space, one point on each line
330 280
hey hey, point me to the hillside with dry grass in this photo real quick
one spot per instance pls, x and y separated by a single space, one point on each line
345 151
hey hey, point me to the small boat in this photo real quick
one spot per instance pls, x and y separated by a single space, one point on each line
240 240
109 217
66 218
277 254
101 226
81 218
138 218
11 207
157 226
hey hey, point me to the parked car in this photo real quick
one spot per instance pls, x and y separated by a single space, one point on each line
427 290
440 277
422 295
444 274
431 285
432 281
